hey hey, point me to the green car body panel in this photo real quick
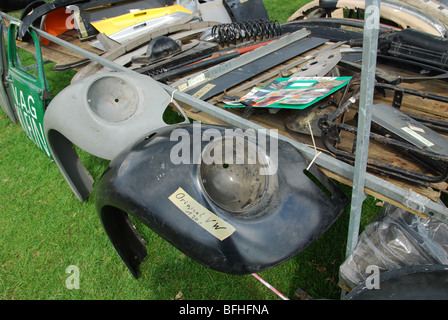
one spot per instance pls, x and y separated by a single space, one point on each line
30 92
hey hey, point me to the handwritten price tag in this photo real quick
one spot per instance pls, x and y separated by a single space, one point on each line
202 216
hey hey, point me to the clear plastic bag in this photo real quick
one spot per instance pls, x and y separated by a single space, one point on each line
396 239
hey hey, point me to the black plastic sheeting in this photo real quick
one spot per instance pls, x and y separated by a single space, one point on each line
423 282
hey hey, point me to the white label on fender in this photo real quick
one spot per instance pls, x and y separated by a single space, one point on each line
201 215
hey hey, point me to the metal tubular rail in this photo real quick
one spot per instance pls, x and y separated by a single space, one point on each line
407 198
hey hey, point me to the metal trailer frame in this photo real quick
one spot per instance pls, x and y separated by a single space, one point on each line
357 173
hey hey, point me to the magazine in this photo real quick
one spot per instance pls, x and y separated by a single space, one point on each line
292 93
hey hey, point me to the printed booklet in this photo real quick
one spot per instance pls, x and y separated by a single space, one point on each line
292 93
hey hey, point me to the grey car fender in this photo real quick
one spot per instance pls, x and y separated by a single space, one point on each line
101 114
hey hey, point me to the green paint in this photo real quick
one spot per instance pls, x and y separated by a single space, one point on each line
29 91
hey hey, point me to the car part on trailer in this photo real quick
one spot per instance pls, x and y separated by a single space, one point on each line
392 13
245 10
401 126
197 79
85 13
418 282
163 48
213 11
37 23
383 187
269 60
6 101
227 216
38 12
126 49
209 61
306 121
13 5
435 8
30 92
255 30
55 22
194 51
411 48
122 22
435 163
421 71
101 114
288 68
187 40
128 26
381 75
335 29
438 125
417 46
176 71
322 64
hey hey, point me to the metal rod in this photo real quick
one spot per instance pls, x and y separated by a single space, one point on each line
269 286
368 71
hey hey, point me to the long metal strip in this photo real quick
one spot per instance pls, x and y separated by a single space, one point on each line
268 75
199 78
239 75
407 198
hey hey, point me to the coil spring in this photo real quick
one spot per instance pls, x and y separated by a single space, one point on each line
156 71
228 33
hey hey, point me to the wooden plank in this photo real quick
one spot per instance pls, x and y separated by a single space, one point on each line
377 195
59 54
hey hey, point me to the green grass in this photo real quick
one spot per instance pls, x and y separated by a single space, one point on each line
282 9
44 229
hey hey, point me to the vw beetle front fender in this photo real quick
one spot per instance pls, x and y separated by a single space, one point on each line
287 210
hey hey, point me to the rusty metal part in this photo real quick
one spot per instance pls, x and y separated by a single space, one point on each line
300 120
